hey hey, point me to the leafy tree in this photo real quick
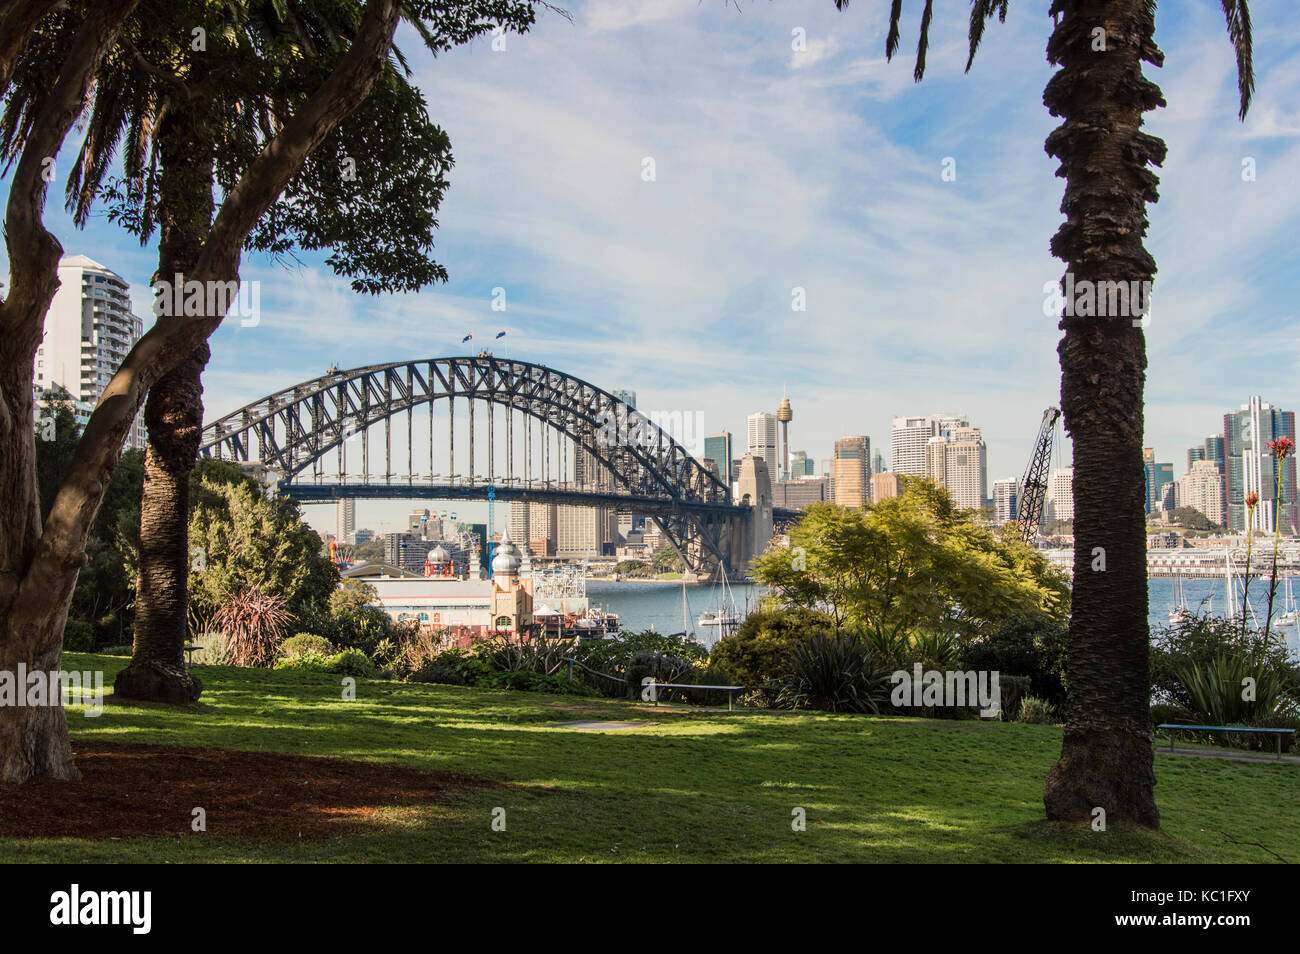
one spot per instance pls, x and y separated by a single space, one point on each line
1101 94
58 55
1192 519
914 564
667 560
244 541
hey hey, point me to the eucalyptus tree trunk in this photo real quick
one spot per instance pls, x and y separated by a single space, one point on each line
1106 759
174 418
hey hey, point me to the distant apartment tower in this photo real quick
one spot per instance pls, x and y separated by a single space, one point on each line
800 493
1251 467
957 459
853 471
627 397
909 437
345 520
1004 500
1158 475
762 441
89 329
1060 494
884 486
718 448
1201 488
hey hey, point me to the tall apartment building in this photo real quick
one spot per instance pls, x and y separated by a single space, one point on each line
853 471
1059 504
1158 476
719 449
884 486
762 431
957 459
1202 489
345 520
88 331
1004 500
910 435
581 531
534 524
1250 467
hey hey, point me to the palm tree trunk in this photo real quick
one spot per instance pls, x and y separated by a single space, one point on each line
1106 758
174 418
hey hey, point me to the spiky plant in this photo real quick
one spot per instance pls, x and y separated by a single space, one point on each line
254 624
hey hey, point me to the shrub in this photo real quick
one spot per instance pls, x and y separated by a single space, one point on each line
762 649
836 674
304 643
432 671
1040 711
349 662
1012 690
78 636
1200 640
1214 690
1033 647
254 624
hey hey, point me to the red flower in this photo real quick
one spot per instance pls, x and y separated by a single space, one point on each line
1252 498
1282 447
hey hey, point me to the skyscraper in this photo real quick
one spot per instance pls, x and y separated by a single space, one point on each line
1158 475
1250 467
910 435
89 329
1004 500
957 460
853 471
718 448
1060 494
1201 488
762 441
345 520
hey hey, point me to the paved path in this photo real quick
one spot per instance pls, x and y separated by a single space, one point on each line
1242 756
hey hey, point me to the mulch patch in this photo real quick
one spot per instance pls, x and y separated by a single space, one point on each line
133 791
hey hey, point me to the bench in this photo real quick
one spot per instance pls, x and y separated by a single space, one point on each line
650 686
1226 728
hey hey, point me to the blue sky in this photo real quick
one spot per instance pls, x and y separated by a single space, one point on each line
819 170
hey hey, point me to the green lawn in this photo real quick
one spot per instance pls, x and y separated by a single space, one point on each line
701 786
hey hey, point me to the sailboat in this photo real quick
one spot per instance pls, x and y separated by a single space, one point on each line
1180 613
1290 612
725 616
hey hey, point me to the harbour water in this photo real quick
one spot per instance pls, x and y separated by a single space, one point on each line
645 605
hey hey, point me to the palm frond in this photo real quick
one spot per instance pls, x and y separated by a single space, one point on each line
1237 13
891 41
980 12
923 43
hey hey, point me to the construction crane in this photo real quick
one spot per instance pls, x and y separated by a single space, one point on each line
1033 486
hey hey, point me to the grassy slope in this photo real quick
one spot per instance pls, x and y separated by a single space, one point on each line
697 787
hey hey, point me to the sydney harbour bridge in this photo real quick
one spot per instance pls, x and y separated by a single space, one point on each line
490 428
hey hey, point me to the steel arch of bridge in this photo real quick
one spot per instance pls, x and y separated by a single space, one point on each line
296 428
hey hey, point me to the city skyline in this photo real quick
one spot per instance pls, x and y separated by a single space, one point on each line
605 275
